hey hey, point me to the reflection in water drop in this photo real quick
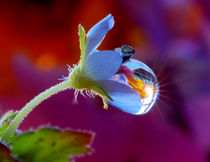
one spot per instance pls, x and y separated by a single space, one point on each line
144 82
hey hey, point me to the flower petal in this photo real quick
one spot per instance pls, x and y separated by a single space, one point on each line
135 64
97 33
101 65
123 96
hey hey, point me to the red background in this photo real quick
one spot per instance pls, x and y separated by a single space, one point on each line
39 38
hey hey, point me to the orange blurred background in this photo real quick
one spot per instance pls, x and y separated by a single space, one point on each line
38 38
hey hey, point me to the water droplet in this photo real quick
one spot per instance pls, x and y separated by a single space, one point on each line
145 83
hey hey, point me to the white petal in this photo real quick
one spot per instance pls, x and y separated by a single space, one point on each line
135 64
97 33
124 97
102 65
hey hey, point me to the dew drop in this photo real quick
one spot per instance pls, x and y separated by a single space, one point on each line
145 83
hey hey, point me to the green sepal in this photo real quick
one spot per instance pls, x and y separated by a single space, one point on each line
81 32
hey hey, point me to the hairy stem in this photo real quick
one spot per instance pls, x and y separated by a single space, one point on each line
30 106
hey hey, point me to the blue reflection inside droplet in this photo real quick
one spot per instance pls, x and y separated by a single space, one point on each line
151 88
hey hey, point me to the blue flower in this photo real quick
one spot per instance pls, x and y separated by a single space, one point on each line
126 83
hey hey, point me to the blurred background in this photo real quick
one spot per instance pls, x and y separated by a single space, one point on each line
38 38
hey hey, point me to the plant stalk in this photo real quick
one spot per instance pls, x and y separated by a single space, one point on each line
30 106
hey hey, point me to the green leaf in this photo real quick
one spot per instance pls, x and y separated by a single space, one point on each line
81 32
8 116
5 155
51 145
5 121
3 128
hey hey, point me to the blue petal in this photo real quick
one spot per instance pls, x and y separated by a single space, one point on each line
135 64
97 33
124 97
101 65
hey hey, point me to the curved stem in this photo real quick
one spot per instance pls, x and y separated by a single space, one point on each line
30 106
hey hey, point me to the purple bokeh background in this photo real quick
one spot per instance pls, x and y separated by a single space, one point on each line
172 37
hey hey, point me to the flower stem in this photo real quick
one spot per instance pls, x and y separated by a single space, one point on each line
30 106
